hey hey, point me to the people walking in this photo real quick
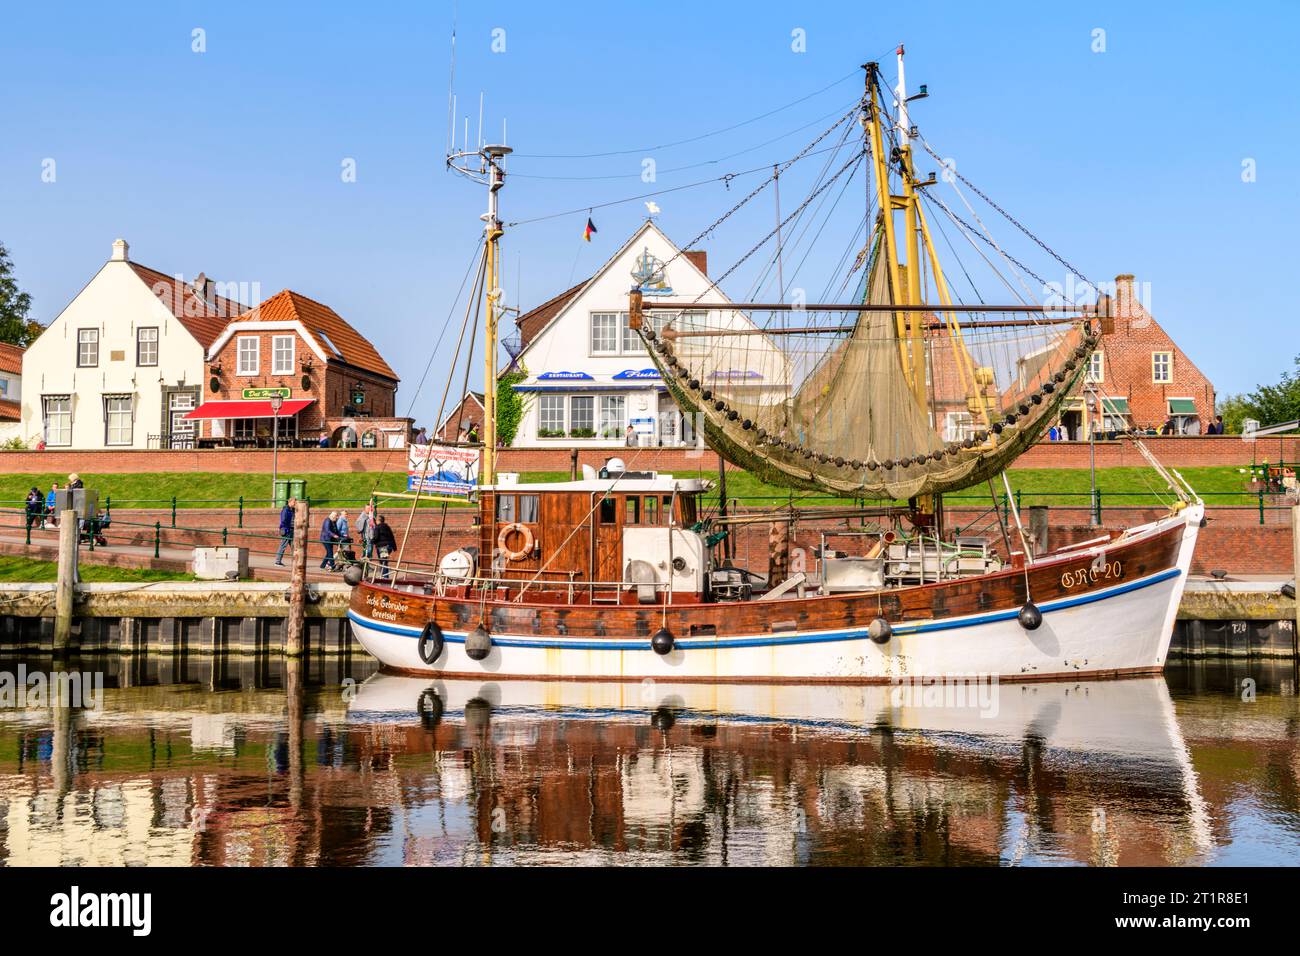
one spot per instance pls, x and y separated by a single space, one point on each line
385 544
329 536
287 514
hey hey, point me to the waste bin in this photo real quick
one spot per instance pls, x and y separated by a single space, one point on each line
286 488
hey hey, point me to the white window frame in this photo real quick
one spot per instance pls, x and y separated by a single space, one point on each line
1096 368
276 367
50 437
1168 364
140 342
109 414
546 420
256 353
88 337
608 427
610 326
591 413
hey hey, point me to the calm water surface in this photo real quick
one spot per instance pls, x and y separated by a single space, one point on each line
238 762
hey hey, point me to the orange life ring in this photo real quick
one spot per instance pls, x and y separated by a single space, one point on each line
524 550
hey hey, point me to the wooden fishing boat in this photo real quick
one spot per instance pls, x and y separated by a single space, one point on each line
626 575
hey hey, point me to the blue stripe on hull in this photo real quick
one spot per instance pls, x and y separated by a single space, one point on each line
771 641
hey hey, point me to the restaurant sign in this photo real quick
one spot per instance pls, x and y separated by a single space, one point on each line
266 393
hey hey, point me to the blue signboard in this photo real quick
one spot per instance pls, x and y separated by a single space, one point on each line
635 374
564 377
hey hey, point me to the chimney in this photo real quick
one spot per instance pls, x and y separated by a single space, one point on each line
700 259
203 287
1124 295
119 251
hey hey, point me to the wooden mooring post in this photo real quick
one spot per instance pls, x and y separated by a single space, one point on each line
294 626
64 590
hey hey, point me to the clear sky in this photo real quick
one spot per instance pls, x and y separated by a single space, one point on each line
231 160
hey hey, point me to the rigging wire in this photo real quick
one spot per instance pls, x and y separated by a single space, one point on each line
678 169
692 139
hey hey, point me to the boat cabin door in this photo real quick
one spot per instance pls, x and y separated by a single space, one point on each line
607 539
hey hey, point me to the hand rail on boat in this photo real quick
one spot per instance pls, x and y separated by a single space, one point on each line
437 582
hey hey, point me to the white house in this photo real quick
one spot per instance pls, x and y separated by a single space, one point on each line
123 363
589 376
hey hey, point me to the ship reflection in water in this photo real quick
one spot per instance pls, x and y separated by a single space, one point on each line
214 763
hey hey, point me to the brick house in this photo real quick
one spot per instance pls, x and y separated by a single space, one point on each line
468 411
1138 378
332 380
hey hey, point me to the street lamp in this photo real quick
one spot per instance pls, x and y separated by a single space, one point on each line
276 401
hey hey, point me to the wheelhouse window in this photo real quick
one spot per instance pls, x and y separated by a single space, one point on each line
506 509
608 510
282 349
117 419
528 508
632 514
146 347
249 357
1162 367
58 420
87 348
651 509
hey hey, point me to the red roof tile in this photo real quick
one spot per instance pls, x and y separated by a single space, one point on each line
11 358
202 319
530 323
10 411
336 338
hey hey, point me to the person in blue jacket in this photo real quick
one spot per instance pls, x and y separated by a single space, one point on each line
329 536
286 530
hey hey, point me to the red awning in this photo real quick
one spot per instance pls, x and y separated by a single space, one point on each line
257 409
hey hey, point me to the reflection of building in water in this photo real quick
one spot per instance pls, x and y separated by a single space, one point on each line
1093 774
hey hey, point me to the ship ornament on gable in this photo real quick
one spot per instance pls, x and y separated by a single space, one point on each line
649 275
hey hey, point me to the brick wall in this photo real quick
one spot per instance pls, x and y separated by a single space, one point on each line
1176 452
1233 539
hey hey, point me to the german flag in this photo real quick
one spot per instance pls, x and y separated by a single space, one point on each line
591 228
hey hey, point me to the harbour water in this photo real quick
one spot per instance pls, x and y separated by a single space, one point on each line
258 761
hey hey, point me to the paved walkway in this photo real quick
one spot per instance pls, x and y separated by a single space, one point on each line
45 547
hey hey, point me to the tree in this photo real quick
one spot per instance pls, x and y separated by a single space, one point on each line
15 326
1267 404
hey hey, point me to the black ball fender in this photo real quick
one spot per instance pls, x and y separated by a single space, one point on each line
1031 618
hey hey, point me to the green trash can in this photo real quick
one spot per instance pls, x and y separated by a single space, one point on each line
286 488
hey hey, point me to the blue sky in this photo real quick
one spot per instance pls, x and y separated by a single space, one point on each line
229 160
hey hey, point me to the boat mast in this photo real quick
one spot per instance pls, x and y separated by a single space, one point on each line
912 271
492 157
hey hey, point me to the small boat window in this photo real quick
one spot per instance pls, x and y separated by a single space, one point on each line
633 515
688 511
608 511
528 509
651 509
505 508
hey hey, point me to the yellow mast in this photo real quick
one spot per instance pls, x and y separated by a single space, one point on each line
492 155
877 144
